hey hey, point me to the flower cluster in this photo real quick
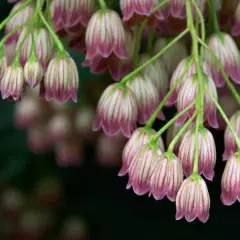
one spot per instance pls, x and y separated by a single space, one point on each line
157 57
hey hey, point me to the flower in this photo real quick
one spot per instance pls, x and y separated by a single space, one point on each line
3 66
206 156
229 141
193 200
230 183
226 50
141 167
188 94
236 23
105 35
140 137
147 97
167 177
117 110
61 79
12 83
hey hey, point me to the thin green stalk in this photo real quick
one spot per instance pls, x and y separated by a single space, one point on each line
154 58
161 105
180 133
170 122
19 9
224 116
214 16
150 41
102 4
224 74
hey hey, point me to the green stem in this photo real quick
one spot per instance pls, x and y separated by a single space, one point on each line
224 116
102 4
170 122
161 105
214 16
150 41
180 133
154 58
19 9
196 152
224 74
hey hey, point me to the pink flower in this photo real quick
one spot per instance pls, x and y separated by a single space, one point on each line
147 97
207 152
226 50
12 83
140 137
236 24
61 79
231 180
167 177
188 94
229 141
181 68
117 110
141 168
193 200
3 66
105 35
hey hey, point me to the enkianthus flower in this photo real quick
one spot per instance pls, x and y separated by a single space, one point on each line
20 18
181 68
193 200
236 24
157 73
167 177
105 35
226 50
170 58
229 141
206 156
147 97
33 72
141 168
61 79
188 94
44 48
117 110
12 83
230 183
3 66
140 137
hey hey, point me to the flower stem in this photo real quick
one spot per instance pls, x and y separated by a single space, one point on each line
224 74
139 69
180 133
102 4
150 41
214 16
161 105
19 9
170 122
224 116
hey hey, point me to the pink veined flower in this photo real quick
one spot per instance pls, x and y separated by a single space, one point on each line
236 23
3 66
187 95
117 110
206 156
105 35
170 58
193 200
230 183
147 97
226 50
140 137
141 168
229 141
61 79
181 68
20 18
12 83
167 177
157 73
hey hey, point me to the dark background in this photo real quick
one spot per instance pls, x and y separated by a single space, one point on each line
99 195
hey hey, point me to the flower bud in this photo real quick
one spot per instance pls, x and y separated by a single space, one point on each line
117 110
206 156
193 200
140 137
167 177
105 35
141 168
230 183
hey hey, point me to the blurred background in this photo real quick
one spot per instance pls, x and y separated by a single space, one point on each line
71 190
